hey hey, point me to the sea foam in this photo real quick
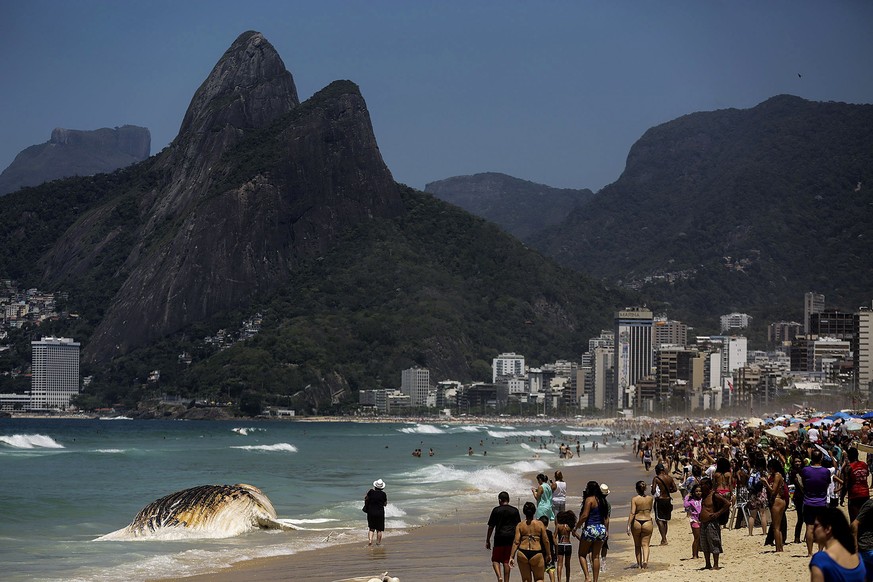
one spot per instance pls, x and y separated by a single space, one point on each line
31 441
422 429
510 433
245 430
281 447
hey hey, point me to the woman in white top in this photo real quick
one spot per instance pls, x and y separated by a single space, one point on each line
559 493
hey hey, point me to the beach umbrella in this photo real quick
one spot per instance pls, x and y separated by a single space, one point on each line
831 418
853 426
841 414
790 429
754 422
774 432
867 415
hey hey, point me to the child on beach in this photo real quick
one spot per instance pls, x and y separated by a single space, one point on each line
692 508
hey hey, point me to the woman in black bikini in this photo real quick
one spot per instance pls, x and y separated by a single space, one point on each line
640 525
531 546
566 521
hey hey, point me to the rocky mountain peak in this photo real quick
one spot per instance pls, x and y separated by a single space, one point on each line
248 87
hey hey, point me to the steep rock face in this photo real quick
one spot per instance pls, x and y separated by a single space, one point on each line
253 183
520 207
75 152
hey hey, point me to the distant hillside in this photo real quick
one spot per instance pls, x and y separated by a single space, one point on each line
74 152
737 209
288 210
519 207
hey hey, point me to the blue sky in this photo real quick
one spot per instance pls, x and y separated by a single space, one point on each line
553 92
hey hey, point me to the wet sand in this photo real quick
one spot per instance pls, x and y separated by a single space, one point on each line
454 548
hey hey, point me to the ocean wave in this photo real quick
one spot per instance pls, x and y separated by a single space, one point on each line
422 429
487 478
537 449
505 434
588 432
246 430
31 441
109 451
392 510
283 447
583 460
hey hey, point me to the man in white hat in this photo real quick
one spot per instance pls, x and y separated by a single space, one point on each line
374 506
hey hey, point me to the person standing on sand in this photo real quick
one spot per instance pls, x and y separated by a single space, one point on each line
374 506
559 493
816 480
530 546
839 560
662 486
639 524
543 494
712 507
594 522
502 523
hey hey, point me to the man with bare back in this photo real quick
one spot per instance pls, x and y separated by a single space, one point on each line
712 507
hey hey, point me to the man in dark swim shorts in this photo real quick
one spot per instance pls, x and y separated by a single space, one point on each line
502 523
663 485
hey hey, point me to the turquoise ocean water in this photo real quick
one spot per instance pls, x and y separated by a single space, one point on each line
64 483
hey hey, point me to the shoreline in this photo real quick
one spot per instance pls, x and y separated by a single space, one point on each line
450 548
453 548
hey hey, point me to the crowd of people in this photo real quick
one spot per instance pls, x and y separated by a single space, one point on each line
734 476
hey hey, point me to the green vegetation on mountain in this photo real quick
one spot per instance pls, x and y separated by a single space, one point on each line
736 210
519 207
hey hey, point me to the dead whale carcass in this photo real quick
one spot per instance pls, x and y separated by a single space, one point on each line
214 511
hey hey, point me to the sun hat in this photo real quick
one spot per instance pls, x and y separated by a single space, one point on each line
604 488
379 484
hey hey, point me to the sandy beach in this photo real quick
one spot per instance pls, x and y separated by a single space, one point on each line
454 548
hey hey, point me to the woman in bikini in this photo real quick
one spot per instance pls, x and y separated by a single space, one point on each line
723 482
640 525
777 493
531 546
566 521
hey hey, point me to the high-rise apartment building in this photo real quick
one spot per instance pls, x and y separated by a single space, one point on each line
669 332
812 303
633 352
832 323
506 366
415 383
55 372
862 346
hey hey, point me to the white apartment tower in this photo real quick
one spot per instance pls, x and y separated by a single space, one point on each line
415 383
634 354
506 366
55 372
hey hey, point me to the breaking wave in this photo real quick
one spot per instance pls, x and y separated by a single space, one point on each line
31 441
281 447
505 434
246 430
422 429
